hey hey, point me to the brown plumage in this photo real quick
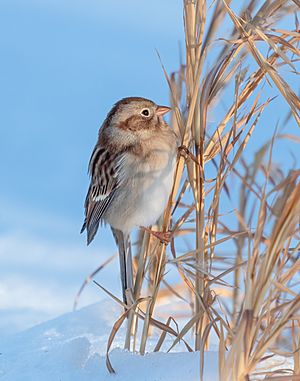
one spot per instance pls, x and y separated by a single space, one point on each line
131 171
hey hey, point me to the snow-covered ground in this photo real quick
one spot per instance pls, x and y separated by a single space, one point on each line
72 347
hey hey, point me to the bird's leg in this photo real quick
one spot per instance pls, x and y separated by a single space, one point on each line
164 237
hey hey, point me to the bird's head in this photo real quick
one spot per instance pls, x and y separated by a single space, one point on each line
136 114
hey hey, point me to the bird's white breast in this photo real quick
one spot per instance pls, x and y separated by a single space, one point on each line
155 189
146 186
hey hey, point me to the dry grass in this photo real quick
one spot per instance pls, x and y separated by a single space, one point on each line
249 296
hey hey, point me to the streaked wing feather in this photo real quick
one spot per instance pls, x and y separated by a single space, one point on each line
98 208
104 169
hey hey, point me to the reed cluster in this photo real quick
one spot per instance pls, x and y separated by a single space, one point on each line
234 216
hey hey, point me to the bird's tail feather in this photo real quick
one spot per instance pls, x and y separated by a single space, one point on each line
125 257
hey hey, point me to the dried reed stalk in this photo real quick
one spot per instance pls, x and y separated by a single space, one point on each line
240 67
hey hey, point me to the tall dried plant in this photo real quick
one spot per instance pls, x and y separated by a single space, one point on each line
246 66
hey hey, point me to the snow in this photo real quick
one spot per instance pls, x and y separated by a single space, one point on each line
72 347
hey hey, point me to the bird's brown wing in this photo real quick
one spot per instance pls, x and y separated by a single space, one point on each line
104 168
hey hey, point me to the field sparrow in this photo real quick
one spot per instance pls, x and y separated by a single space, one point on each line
131 169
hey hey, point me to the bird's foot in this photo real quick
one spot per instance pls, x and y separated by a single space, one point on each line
164 237
186 153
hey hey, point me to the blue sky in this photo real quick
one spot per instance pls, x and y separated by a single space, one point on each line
63 64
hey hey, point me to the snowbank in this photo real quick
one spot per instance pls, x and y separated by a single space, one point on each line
72 348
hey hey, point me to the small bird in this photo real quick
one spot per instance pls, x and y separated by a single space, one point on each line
131 169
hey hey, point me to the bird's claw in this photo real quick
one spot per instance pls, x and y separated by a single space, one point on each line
164 237
186 153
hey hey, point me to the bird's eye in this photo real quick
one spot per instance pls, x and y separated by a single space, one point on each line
145 112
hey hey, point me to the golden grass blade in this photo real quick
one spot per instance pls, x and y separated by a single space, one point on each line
89 278
282 86
162 336
237 275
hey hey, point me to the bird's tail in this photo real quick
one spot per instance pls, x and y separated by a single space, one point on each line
125 257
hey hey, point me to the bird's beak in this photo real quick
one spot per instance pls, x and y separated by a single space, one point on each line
162 110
